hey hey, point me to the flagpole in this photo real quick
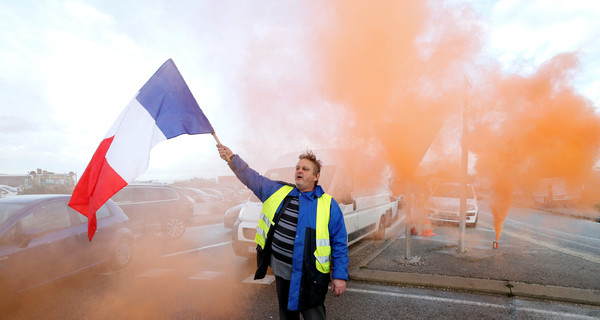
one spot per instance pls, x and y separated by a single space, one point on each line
219 143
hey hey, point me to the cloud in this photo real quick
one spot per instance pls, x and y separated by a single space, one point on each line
256 68
524 35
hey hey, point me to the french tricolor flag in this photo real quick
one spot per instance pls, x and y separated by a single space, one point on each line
163 109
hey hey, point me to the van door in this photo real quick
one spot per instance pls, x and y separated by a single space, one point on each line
372 207
341 190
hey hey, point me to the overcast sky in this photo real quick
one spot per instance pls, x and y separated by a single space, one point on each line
70 67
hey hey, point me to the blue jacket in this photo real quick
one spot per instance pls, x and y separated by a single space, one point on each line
308 287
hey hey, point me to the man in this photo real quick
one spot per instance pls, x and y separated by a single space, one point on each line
301 234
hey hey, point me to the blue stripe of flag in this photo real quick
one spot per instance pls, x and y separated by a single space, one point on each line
170 102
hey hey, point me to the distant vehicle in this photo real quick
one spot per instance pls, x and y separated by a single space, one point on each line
214 192
43 240
9 188
204 203
443 204
7 191
156 208
365 208
557 191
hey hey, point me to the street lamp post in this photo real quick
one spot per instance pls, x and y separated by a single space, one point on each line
408 218
464 163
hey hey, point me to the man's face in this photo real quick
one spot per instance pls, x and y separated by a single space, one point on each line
305 175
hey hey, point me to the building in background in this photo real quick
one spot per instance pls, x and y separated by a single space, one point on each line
43 181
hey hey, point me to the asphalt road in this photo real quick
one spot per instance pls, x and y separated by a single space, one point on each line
199 277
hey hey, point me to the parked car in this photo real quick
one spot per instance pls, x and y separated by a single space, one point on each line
7 191
365 208
231 216
43 240
156 209
214 192
443 204
204 203
231 196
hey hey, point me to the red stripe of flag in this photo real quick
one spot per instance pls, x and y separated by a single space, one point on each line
97 184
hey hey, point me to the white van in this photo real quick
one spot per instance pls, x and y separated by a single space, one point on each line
443 204
365 202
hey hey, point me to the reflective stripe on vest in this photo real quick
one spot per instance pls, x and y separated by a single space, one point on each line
323 251
268 213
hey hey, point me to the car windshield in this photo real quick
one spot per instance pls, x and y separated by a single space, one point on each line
9 209
450 191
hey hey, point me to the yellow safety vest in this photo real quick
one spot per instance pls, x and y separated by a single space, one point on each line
323 252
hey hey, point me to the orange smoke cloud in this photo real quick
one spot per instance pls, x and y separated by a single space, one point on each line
384 77
397 66
535 127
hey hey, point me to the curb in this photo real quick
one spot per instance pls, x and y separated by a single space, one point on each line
503 287
583 215
509 288
573 215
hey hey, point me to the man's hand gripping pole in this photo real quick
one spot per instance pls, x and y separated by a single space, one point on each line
227 157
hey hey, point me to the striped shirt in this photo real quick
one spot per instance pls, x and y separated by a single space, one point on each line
283 240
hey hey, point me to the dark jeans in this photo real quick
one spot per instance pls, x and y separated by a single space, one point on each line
283 290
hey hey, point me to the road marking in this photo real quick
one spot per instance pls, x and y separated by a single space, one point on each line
205 275
545 232
560 315
155 273
268 279
194 250
574 253
566 234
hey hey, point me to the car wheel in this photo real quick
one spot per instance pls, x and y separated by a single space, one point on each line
121 254
388 218
175 228
380 233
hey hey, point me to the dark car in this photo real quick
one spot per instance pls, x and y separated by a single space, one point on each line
42 240
156 208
